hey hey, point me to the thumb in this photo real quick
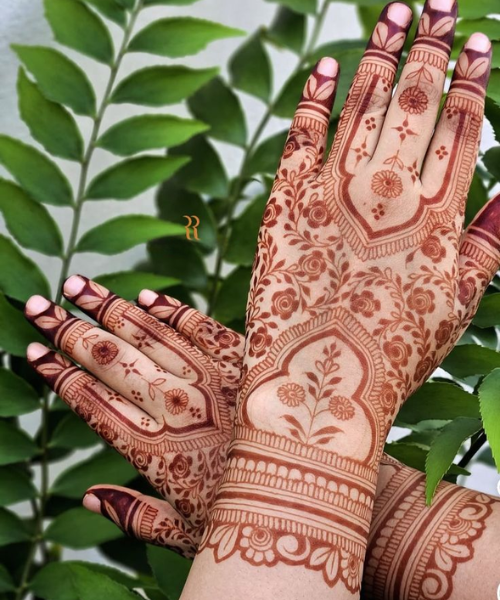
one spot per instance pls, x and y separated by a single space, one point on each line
146 518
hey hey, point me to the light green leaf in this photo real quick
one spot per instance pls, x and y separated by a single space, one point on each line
134 176
233 295
110 9
490 27
15 445
488 313
288 30
16 396
180 36
49 123
20 277
12 529
15 331
79 528
168 2
250 69
494 85
106 466
414 456
148 132
301 6
72 432
123 233
38 175
6 582
15 486
470 359
266 156
444 449
492 112
157 86
489 401
491 160
77 27
20 212
179 258
472 9
242 243
476 198
170 570
129 284
227 123
127 4
60 79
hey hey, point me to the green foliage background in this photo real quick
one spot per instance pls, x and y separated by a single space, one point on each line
445 418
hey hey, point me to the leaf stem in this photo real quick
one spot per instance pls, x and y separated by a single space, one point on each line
475 446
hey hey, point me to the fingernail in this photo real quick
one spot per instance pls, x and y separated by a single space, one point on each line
73 285
400 14
35 351
147 297
479 42
36 305
327 66
443 5
92 503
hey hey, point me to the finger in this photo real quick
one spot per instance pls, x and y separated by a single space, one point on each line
411 118
451 158
146 518
363 114
210 336
306 140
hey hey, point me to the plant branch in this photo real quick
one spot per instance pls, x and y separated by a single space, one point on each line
473 450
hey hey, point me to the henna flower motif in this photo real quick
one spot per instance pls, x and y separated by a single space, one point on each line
433 248
424 367
185 507
466 290
260 340
365 303
389 397
443 333
272 212
291 146
317 214
413 100
258 543
285 303
180 467
387 184
104 352
398 351
313 265
226 339
421 301
291 394
351 568
176 401
341 408
141 460
107 434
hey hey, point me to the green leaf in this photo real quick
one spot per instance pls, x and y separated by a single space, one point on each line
74 581
12 529
444 449
488 312
59 79
472 9
489 402
288 30
242 242
414 456
438 400
168 2
110 9
20 277
16 396
494 85
470 359
233 295
106 465
490 27
72 432
227 123
79 528
20 212
148 132
157 86
15 486
123 233
134 176
491 160
77 27
38 175
301 6
205 173
492 112
6 582
169 569
15 332
15 445
476 198
180 36
49 123
179 258
127 4
129 284
267 155
250 69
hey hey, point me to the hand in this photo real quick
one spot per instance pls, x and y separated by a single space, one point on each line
162 397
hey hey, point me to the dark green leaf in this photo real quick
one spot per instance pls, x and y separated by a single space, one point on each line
233 295
470 359
149 132
106 466
134 176
488 313
476 199
227 123
181 259
250 69
180 36
123 233
472 9
490 27
409 454
60 79
12 529
170 570
205 173
16 396
77 27
115 574
15 332
129 284
489 401
335 49
301 6
288 30
494 85
72 432
491 160
110 9
244 230
15 445
79 528
21 212
168 2
127 4
6 582
15 486
20 277
157 86
492 112
266 157
444 449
